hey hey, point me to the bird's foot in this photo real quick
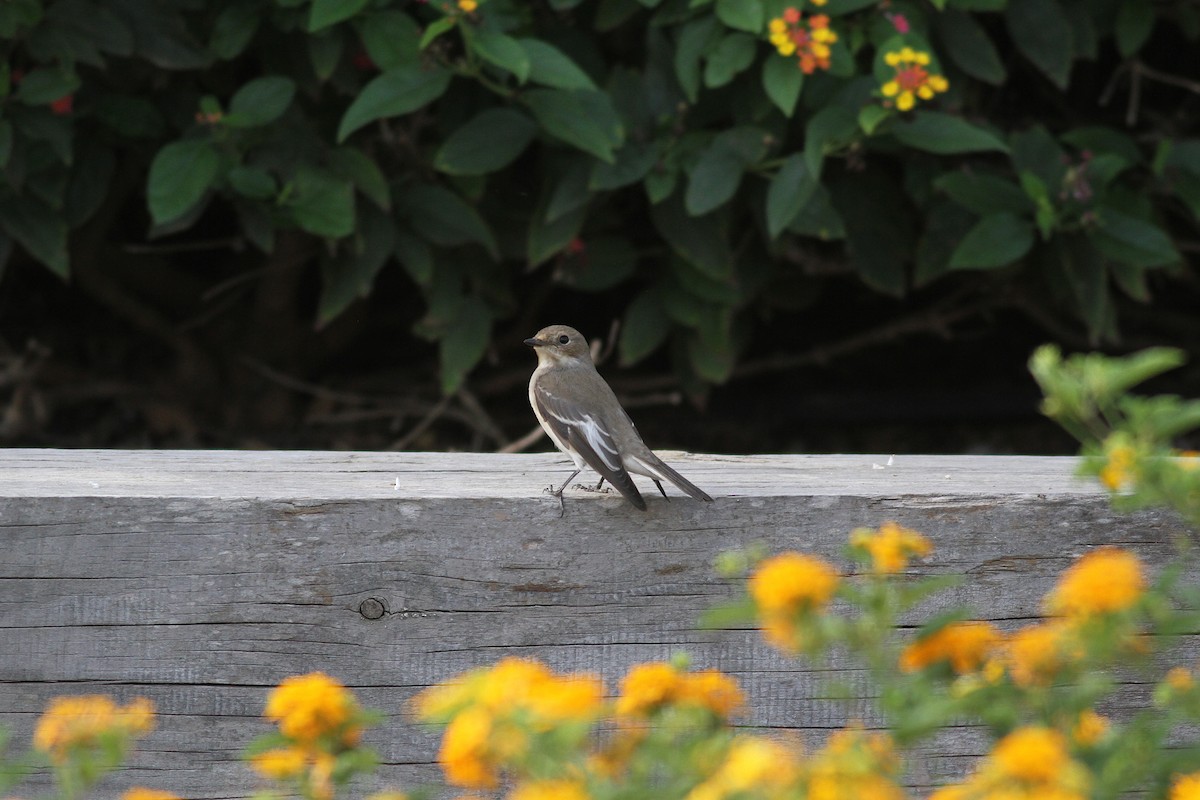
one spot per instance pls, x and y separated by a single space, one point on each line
562 507
593 489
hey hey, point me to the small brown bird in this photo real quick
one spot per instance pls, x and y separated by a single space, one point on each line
583 417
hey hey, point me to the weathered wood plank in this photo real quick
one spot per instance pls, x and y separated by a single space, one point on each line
200 579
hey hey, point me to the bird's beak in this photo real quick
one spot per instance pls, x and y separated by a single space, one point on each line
534 342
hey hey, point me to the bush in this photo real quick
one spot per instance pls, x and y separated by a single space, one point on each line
708 159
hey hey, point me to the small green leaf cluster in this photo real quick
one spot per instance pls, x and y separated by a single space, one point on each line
663 147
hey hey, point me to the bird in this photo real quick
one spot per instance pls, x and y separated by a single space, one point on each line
581 414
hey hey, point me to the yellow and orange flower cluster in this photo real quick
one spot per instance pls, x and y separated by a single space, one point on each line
494 714
1029 763
912 79
890 547
855 763
321 719
964 646
787 590
70 724
809 39
1105 581
653 686
753 766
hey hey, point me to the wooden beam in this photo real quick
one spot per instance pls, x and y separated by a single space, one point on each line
200 579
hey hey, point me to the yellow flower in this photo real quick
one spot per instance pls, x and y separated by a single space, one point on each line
807 39
912 80
1180 679
463 754
307 707
549 790
964 645
1032 754
1186 787
1104 581
792 582
752 764
855 763
82 721
1090 728
142 793
468 6
280 763
891 546
1036 653
1119 469
648 687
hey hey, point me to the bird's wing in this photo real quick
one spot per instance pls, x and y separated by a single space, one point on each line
584 432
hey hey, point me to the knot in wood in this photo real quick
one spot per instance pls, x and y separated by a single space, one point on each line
372 608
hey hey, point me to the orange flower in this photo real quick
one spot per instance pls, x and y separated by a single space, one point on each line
1186 787
891 546
1036 653
1104 581
649 687
86 720
964 645
792 582
307 707
808 40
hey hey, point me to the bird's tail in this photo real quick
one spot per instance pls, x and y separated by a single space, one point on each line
655 467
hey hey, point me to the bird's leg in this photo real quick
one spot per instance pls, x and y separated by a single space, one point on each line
660 489
562 508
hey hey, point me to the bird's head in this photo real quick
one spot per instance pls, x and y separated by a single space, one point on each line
560 344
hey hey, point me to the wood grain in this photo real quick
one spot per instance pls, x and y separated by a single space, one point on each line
200 579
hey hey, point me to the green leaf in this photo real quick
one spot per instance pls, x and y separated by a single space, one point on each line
253 182
571 190
547 239
233 29
945 226
444 218
633 161
321 203
710 348
325 52
645 328
390 37
351 273
699 240
44 85
502 51
880 229
180 174
969 46
464 343
434 30
394 92
602 263
830 129
1132 241
734 53
695 39
39 229
1135 21
871 117
330 12
549 66
995 241
744 15
415 256
983 193
260 102
490 141
584 119
354 165
6 142
713 180
790 190
935 132
1041 31
782 80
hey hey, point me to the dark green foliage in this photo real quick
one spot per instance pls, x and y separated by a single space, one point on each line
663 148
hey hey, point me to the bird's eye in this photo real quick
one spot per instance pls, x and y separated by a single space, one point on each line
564 339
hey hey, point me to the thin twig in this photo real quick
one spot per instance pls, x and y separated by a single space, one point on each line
431 417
